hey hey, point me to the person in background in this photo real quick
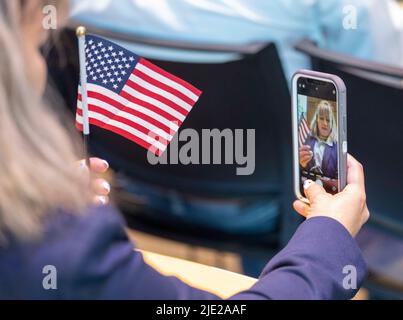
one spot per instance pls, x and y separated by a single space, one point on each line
46 216
360 28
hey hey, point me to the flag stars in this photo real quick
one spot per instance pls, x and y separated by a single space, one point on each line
108 65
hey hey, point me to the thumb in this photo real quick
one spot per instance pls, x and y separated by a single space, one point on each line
312 190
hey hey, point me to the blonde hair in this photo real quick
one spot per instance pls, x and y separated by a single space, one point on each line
37 154
324 107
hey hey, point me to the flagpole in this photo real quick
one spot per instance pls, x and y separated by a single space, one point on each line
81 32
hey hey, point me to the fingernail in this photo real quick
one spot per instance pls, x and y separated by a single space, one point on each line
106 164
82 165
307 184
106 186
103 200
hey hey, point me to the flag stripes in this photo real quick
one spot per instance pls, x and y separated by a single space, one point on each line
132 97
303 131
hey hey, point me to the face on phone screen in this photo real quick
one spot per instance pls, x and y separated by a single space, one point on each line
317 133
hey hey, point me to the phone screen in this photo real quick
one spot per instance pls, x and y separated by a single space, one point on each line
317 133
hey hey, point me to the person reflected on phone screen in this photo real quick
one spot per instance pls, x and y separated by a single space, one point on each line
318 154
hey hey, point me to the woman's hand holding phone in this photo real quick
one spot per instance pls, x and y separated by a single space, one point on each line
347 207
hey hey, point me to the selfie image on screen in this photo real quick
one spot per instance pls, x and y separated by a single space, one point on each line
317 141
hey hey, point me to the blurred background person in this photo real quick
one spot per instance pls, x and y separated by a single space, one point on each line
360 28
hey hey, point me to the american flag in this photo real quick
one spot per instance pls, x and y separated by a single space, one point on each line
132 97
303 130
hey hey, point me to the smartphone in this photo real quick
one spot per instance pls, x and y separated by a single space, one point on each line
319 118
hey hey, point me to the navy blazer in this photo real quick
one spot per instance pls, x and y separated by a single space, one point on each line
95 259
329 162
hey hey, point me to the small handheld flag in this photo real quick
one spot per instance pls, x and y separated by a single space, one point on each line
303 131
130 96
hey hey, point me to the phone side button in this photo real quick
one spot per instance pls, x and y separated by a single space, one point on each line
344 147
345 124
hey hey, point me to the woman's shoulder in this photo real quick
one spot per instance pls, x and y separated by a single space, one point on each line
80 236
91 216
69 243
333 146
72 229
78 233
